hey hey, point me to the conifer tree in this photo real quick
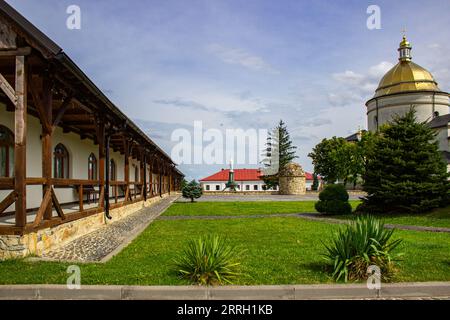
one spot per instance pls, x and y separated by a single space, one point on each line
405 171
315 184
192 190
280 151
285 147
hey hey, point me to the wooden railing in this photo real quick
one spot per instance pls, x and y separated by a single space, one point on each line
122 193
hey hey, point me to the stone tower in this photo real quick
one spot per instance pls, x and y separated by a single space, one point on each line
292 179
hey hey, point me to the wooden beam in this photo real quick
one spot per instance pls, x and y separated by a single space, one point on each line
80 197
6 183
62 110
57 205
8 90
47 132
101 163
8 201
20 143
24 51
87 123
43 208
40 107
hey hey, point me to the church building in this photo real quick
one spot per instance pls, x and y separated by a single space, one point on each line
409 85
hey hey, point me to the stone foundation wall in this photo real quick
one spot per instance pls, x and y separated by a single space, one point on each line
35 243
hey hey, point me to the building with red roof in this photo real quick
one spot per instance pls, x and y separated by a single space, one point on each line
246 179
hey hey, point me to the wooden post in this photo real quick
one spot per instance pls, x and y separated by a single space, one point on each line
20 143
47 143
151 177
127 169
107 178
144 186
101 162
160 180
141 172
80 197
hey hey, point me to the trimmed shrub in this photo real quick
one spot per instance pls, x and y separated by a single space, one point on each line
334 192
209 260
192 190
362 243
333 200
333 207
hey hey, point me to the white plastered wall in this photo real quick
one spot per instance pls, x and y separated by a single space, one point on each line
389 106
79 151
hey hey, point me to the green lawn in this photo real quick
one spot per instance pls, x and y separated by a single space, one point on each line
278 251
242 208
436 218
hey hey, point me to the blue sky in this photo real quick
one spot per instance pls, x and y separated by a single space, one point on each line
244 64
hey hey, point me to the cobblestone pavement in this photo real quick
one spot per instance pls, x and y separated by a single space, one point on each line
93 247
263 197
308 216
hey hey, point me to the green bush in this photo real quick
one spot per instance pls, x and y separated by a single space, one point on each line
333 200
333 207
192 190
334 192
362 243
209 260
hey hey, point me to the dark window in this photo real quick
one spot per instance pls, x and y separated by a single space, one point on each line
207 187
247 187
6 152
255 187
136 173
61 162
112 170
217 187
92 167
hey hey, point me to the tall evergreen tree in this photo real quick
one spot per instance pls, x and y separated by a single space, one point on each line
315 184
279 152
404 170
285 147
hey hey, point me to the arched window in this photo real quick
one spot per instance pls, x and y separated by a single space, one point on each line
112 170
61 162
6 152
92 167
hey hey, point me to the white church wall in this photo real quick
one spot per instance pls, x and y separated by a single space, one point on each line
388 106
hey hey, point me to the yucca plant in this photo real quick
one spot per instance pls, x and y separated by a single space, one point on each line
364 242
209 260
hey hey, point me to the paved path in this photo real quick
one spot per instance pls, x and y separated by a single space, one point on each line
397 291
263 197
103 243
308 216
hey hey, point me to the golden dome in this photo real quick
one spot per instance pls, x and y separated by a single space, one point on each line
406 76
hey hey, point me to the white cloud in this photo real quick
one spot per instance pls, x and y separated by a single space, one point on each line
240 57
379 70
349 77
353 87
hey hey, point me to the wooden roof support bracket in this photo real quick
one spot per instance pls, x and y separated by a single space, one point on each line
8 90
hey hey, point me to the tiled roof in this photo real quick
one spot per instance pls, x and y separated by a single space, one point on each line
242 175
